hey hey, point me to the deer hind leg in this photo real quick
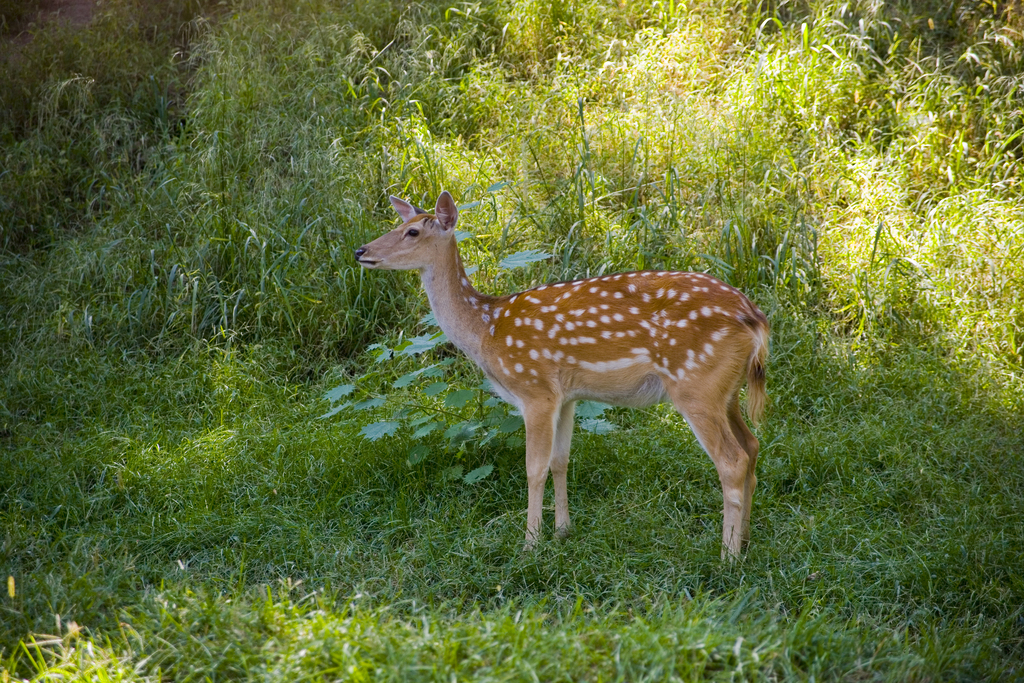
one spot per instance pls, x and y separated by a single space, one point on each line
540 416
560 466
748 442
712 426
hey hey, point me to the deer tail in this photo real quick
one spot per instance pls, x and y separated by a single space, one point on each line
756 397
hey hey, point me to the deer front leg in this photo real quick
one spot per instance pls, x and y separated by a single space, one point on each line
540 417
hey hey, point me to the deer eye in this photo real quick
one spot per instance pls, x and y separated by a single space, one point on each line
413 233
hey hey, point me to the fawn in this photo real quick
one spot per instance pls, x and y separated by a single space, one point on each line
629 339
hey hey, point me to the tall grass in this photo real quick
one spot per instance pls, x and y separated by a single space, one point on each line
178 213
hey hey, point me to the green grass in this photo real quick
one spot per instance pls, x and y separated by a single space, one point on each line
178 210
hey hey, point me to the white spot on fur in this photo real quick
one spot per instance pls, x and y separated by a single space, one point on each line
610 365
519 367
534 354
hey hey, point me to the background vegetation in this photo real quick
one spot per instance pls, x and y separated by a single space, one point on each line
181 189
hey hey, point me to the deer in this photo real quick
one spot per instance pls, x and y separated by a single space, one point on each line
627 339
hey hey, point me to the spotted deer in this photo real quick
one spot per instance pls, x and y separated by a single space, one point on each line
630 339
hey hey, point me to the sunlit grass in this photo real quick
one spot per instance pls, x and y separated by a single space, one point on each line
177 292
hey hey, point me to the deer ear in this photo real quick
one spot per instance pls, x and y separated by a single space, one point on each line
445 211
406 210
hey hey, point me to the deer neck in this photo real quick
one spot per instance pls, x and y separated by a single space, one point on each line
462 312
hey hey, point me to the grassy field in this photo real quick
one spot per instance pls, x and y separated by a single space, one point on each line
183 184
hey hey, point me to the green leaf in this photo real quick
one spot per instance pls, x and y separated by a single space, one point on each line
433 371
598 426
511 424
335 410
497 186
479 473
462 235
378 430
493 402
450 473
429 320
417 454
458 399
590 409
435 388
426 429
523 258
380 352
514 441
368 403
421 343
461 432
339 392
406 380
471 205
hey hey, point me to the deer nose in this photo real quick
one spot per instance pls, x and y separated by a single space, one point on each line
359 252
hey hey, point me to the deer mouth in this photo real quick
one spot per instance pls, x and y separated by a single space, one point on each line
367 263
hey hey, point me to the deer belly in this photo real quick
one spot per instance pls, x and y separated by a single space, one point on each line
633 387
